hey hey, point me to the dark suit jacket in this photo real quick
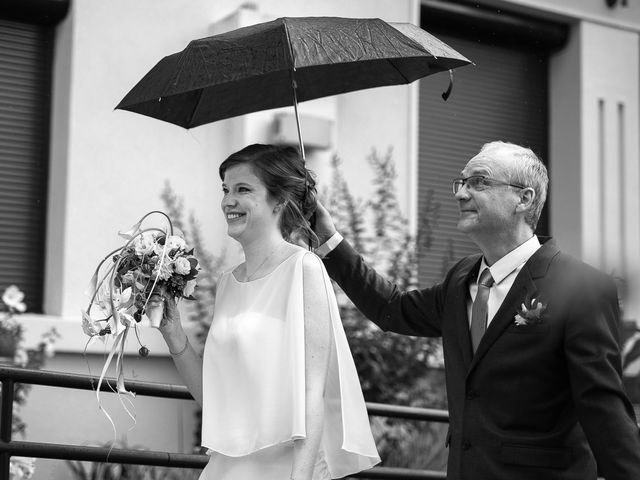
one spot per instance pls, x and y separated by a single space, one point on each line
537 401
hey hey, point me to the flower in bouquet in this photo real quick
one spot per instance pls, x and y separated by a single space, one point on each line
157 261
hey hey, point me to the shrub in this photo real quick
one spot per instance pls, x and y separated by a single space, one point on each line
394 369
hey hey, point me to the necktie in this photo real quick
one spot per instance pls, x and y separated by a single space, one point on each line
479 308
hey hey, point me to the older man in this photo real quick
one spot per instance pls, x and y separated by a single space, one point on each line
529 333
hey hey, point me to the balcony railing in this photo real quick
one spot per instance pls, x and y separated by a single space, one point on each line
9 376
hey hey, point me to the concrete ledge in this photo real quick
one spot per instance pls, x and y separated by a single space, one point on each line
73 340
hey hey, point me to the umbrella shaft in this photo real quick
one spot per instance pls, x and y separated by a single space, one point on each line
295 108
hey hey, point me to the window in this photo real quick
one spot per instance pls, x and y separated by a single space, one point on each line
25 71
502 97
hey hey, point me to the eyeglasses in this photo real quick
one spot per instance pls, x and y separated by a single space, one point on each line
479 183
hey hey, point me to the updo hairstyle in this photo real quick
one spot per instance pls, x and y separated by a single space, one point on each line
286 178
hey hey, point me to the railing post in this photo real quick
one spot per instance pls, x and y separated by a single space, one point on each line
6 424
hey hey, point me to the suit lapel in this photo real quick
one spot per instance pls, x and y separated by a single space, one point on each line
523 287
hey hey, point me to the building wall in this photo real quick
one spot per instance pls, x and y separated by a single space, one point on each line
610 208
594 128
108 167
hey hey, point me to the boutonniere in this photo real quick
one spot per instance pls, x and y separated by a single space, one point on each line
530 314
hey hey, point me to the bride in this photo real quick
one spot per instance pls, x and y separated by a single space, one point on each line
277 384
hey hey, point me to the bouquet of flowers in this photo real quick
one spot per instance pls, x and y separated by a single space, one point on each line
151 260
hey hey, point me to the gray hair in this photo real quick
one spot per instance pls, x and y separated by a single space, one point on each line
528 171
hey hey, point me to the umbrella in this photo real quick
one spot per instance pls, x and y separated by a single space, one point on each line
283 62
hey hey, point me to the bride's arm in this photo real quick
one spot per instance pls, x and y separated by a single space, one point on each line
317 329
187 361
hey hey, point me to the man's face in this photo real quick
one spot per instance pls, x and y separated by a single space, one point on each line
488 209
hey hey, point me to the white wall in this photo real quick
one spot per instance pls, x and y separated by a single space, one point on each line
595 179
565 152
610 173
109 166
114 163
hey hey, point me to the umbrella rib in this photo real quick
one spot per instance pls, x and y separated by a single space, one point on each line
291 54
195 109
294 87
406 80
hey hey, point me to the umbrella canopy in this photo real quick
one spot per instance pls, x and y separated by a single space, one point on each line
279 63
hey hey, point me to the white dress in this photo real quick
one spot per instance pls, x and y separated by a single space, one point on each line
254 383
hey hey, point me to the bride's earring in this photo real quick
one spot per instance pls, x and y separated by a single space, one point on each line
278 207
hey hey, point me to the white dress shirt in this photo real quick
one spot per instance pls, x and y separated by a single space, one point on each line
329 245
504 273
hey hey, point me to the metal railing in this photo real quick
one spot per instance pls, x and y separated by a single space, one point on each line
9 376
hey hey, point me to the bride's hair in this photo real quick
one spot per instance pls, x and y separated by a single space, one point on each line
287 179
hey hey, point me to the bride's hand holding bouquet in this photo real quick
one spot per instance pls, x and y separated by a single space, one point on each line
164 306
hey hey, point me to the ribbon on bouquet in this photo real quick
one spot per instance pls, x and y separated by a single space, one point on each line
117 350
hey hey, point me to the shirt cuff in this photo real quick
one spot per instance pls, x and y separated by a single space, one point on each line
329 245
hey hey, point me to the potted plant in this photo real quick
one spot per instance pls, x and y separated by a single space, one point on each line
14 352
10 329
